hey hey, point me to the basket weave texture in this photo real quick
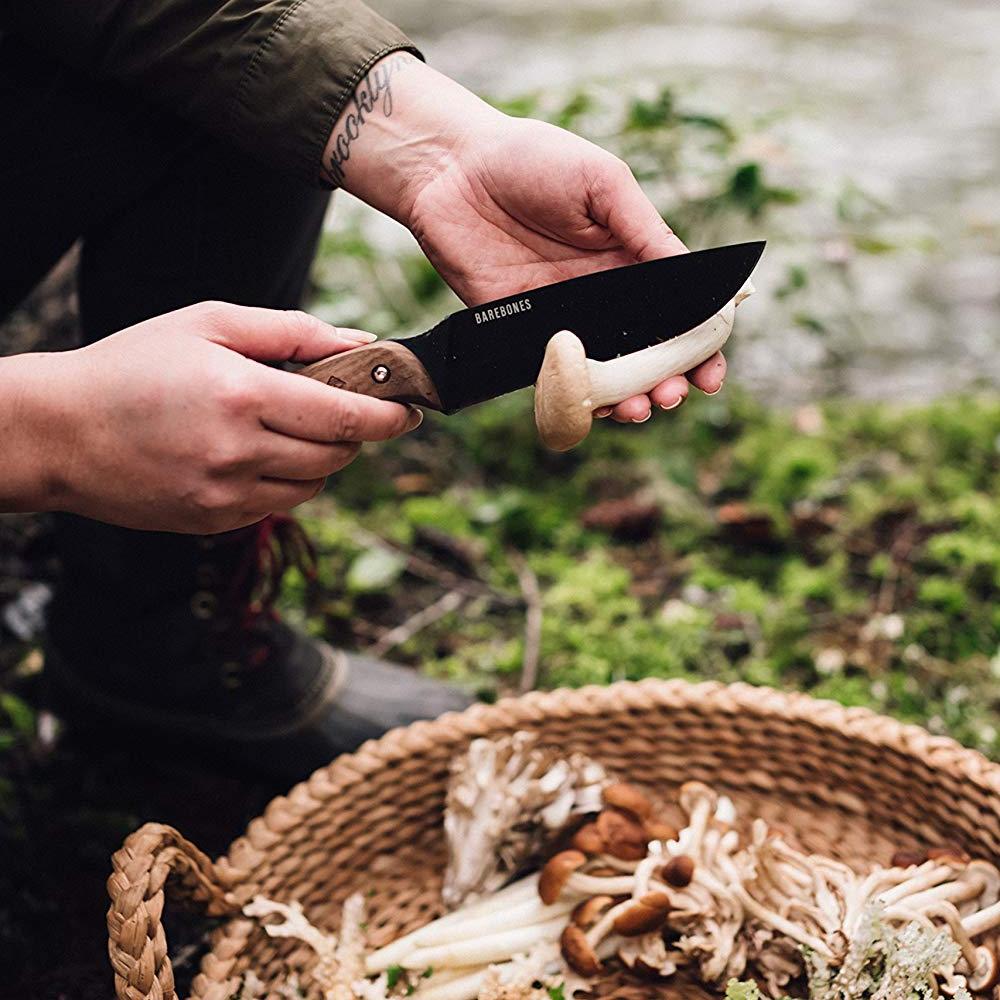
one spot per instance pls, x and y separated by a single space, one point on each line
842 781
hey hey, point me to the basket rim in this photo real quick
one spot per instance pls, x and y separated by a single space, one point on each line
283 812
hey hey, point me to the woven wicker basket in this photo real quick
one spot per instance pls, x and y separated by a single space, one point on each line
847 782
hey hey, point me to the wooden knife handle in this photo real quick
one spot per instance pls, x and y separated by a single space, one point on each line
385 370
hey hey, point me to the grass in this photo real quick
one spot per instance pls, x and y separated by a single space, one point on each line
848 551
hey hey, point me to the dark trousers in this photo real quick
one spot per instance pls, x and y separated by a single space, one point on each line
166 217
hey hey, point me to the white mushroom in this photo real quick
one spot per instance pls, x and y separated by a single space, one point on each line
570 386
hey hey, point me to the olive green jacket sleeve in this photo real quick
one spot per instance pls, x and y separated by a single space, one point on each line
270 75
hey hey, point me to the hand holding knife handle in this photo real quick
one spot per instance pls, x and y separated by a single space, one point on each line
385 370
570 386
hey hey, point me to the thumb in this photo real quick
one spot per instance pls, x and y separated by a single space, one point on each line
273 334
620 205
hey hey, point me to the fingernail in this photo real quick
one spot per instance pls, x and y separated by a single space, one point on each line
603 411
717 391
415 419
642 420
358 336
672 406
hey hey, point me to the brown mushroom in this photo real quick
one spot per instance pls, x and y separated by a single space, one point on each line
908 858
589 840
590 910
948 854
624 836
641 916
557 869
628 798
578 952
986 974
658 829
678 871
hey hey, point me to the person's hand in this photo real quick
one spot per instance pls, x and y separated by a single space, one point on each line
169 425
501 205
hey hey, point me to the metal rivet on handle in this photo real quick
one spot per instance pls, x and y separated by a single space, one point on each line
380 374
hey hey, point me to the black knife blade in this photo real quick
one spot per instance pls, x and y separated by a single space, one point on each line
495 348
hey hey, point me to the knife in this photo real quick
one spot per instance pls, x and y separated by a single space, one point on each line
492 349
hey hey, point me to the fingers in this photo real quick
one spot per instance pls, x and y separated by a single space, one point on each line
304 408
669 394
271 334
620 205
634 410
710 374
291 458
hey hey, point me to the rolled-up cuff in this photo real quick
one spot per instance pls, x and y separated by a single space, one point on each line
295 85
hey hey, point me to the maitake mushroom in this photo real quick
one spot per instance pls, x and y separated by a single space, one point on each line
506 800
340 958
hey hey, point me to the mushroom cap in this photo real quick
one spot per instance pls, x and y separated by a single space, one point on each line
986 974
628 798
562 393
590 910
643 915
588 839
576 949
948 854
908 858
557 869
624 836
678 871
658 829
692 792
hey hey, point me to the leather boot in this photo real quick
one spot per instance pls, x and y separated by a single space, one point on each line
173 640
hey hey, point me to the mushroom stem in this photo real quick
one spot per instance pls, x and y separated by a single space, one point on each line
527 914
691 838
924 877
484 950
640 371
392 953
949 892
600 885
465 987
779 923
982 921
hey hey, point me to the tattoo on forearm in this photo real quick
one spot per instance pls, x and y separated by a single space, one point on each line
374 91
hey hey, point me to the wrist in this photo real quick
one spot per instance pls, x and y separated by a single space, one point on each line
404 125
37 432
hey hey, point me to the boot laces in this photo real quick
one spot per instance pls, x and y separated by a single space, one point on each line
277 543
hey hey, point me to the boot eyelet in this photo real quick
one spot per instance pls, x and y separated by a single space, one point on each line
207 575
203 605
232 675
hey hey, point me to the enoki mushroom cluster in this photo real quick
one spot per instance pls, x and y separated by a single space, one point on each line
704 900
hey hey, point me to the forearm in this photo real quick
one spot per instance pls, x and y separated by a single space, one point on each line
404 123
32 432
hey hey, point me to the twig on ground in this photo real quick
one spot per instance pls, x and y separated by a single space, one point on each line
532 595
429 570
899 554
451 601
